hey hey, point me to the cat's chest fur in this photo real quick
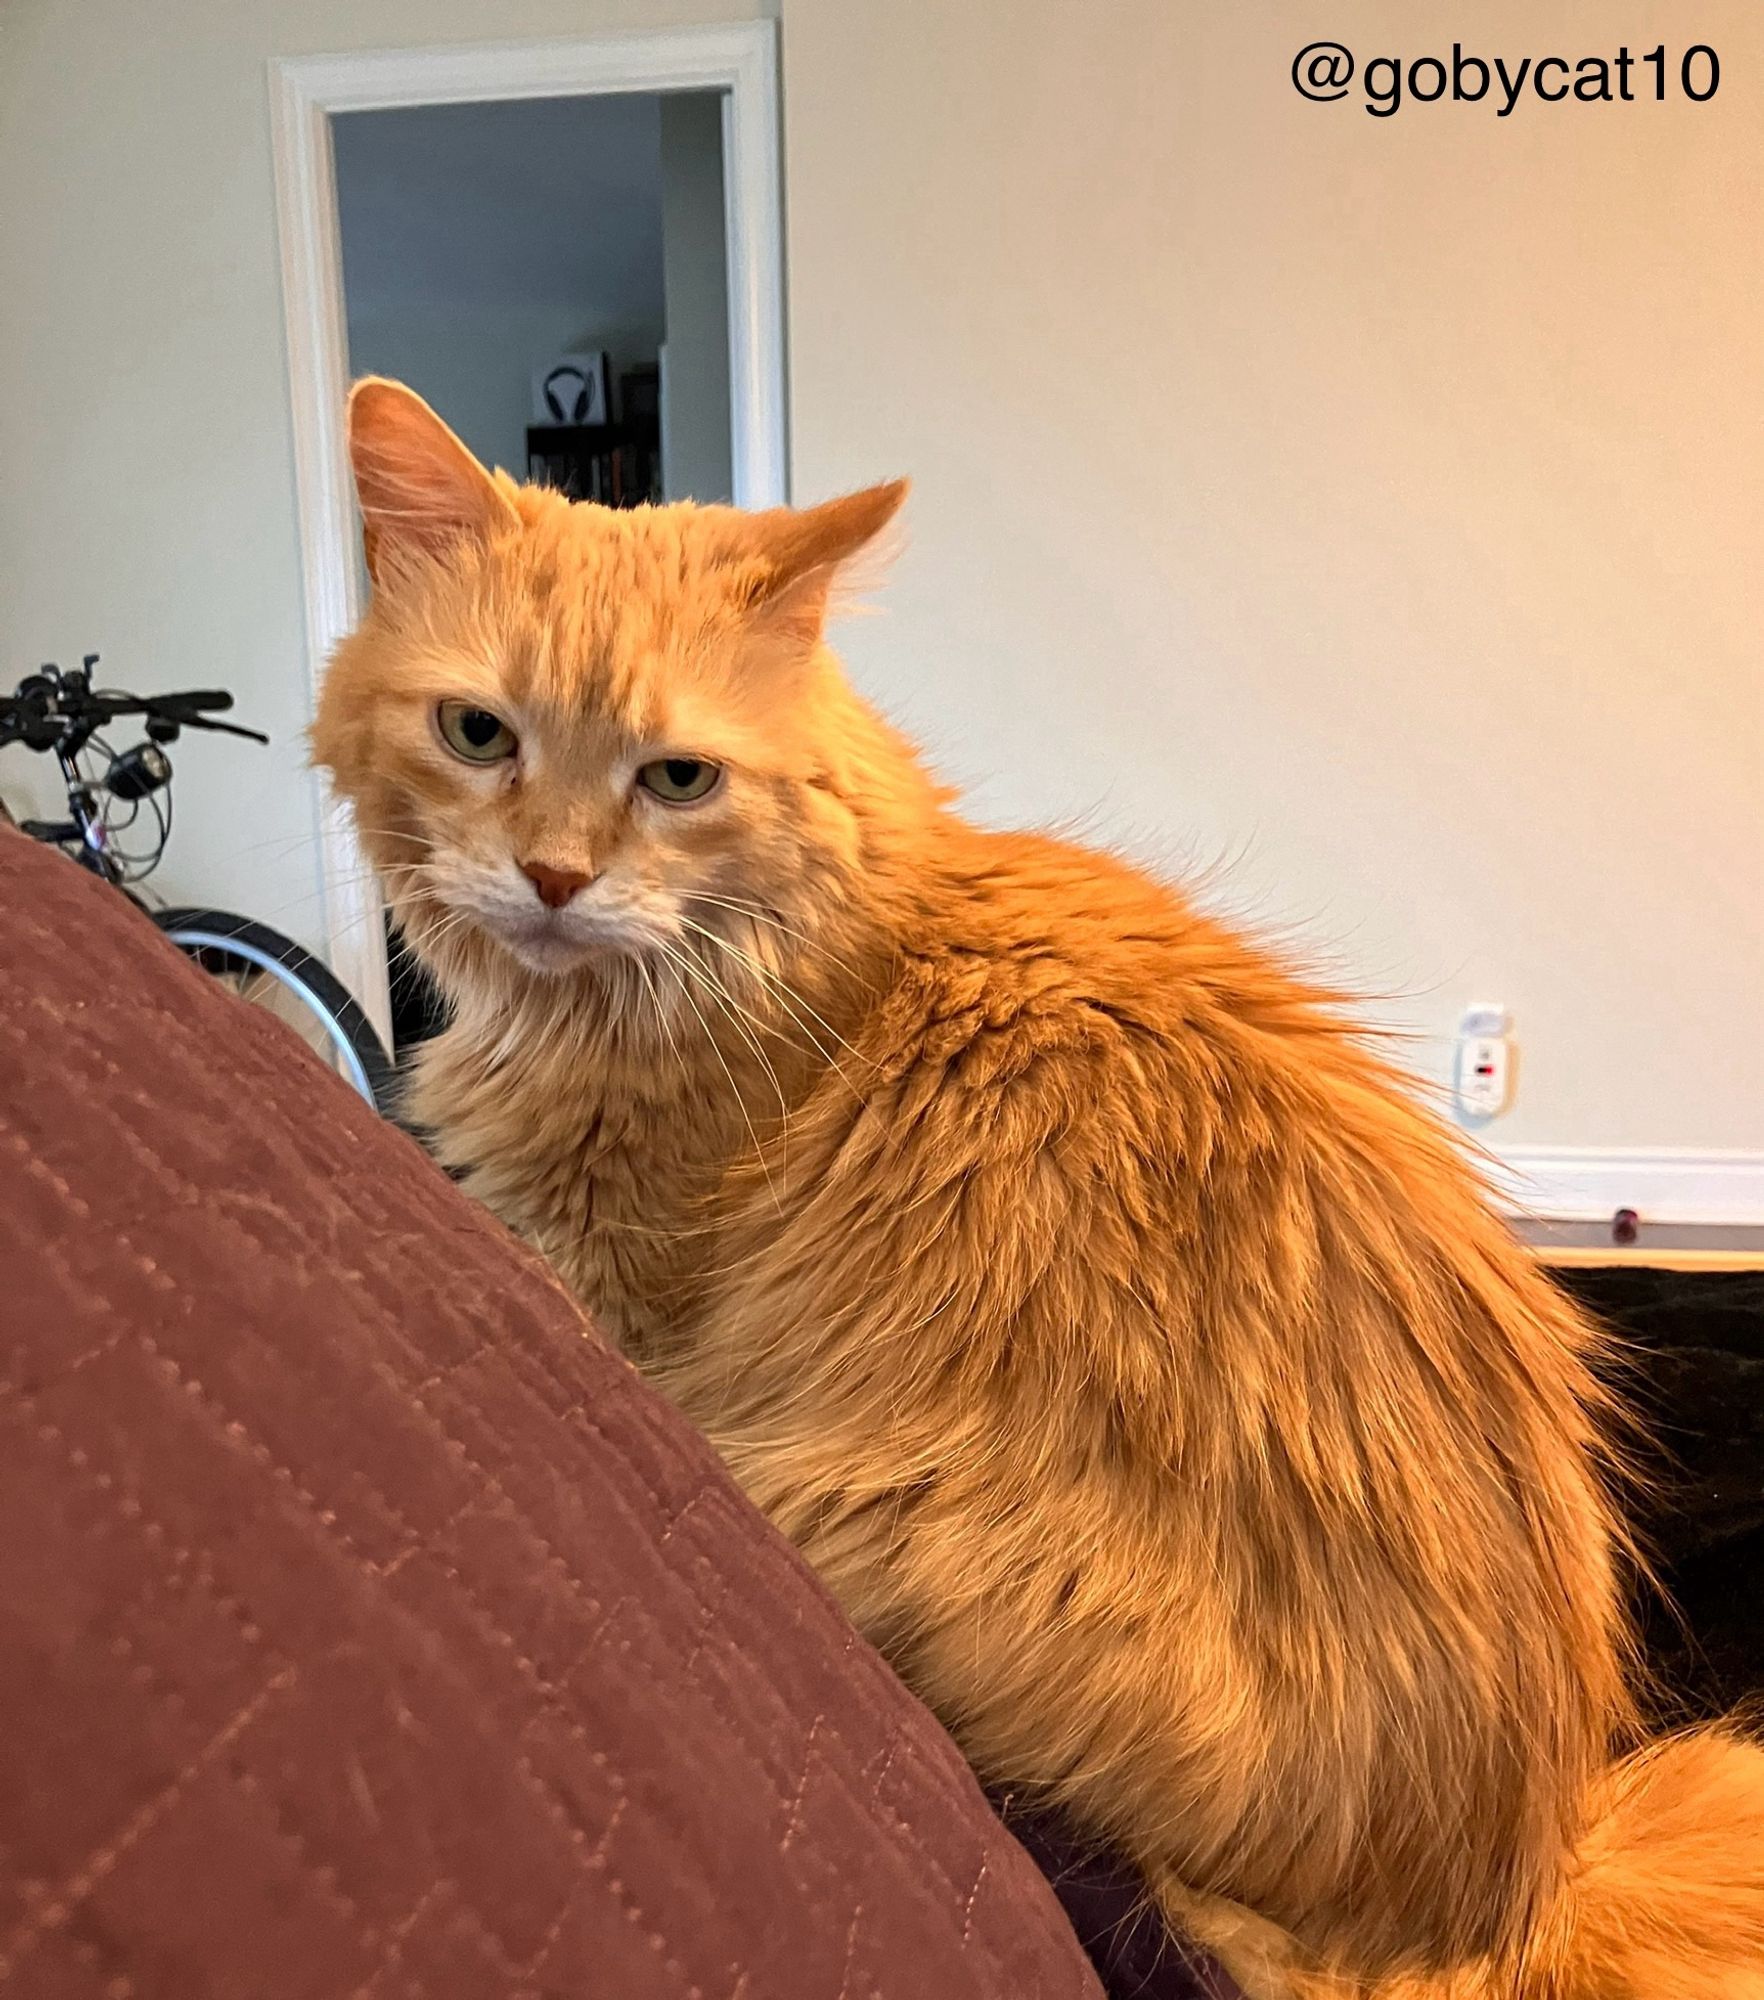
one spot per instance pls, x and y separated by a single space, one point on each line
603 1162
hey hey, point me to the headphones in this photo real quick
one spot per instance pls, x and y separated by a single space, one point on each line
568 407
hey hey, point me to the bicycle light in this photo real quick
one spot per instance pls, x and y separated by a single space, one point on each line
138 771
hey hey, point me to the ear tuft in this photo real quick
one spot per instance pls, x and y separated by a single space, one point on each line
420 489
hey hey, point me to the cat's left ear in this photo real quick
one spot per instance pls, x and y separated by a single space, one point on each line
800 552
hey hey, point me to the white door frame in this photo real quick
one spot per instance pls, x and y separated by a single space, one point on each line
737 58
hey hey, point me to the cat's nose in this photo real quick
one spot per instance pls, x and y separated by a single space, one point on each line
555 885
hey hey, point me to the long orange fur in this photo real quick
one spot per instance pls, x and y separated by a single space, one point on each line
1135 1359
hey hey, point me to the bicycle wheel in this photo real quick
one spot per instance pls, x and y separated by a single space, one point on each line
269 970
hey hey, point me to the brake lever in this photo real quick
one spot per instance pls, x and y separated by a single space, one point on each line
224 728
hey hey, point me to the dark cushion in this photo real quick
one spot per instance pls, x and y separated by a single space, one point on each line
366 1627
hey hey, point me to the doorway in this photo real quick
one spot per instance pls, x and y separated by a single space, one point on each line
551 274
631 185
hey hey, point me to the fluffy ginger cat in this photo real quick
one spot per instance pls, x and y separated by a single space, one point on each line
1134 1359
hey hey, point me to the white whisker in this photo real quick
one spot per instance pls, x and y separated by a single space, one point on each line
682 966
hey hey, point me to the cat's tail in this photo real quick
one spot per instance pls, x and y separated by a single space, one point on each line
1666 1897
1665 1900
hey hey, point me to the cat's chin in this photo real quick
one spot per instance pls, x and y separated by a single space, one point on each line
546 948
548 954
543 949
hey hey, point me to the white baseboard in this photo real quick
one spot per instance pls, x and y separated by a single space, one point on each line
1670 1185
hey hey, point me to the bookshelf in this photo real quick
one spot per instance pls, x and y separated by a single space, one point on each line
617 464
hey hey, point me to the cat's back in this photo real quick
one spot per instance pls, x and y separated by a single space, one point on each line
1030 953
1062 1019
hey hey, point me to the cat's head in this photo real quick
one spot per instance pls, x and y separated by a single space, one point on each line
570 733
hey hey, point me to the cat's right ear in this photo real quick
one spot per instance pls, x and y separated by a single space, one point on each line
420 489
794 554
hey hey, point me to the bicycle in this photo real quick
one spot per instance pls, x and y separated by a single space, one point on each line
61 714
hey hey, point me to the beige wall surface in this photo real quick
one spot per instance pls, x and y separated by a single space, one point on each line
1367 509
1373 507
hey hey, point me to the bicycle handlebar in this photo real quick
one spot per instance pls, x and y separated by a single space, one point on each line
48 710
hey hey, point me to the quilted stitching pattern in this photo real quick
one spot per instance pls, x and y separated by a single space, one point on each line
366 1628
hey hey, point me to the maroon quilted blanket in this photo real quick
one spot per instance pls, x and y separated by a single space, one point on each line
366 1627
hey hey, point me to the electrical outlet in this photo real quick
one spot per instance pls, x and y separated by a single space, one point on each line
1482 1083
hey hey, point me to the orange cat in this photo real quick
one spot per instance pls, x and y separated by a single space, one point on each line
1135 1360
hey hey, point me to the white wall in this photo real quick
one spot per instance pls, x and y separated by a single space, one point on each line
696 452
1374 505
146 460
482 239
1376 501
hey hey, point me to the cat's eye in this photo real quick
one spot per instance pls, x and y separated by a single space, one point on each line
474 733
680 781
